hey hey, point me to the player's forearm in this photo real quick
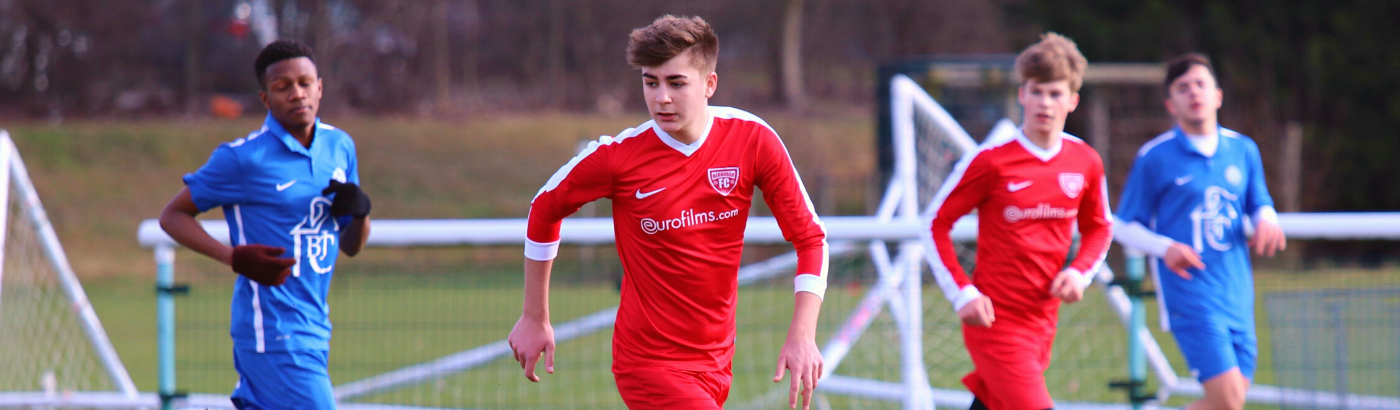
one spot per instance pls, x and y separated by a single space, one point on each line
1093 251
1135 235
807 307
537 289
188 232
355 236
944 256
177 219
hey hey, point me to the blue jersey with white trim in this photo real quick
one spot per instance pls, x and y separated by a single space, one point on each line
1201 201
269 187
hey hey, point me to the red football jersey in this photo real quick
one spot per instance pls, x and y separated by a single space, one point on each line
1027 200
679 213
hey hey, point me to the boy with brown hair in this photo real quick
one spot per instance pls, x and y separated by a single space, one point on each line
1190 200
1029 192
681 186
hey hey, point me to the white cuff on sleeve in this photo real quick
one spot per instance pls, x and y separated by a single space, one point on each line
968 294
1266 213
541 251
1136 236
1081 279
813 284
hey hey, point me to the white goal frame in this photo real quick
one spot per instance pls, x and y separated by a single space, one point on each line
13 171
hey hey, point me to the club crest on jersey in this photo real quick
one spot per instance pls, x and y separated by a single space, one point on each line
1234 176
1072 183
314 239
723 180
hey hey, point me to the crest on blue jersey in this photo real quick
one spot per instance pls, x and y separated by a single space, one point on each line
313 239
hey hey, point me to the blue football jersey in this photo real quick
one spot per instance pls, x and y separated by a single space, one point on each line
1202 201
269 186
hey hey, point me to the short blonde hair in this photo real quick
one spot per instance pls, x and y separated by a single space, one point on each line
670 36
1054 58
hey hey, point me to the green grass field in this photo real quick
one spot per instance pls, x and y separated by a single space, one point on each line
387 320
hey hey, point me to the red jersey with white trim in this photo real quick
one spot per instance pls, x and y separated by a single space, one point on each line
1028 200
679 213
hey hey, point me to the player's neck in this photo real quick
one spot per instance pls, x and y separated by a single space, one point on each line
303 135
1206 127
695 130
1044 140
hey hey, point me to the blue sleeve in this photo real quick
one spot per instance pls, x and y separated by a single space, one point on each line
1258 190
219 182
352 175
1139 197
354 163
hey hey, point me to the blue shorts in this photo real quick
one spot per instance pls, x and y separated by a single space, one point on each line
282 380
1212 348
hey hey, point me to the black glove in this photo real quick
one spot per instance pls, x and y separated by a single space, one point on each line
262 263
349 199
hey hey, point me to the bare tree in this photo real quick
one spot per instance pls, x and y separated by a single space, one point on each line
794 92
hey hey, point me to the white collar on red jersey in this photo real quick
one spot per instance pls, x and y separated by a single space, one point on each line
1042 153
686 149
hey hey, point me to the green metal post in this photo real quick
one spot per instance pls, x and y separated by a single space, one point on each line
165 324
1137 322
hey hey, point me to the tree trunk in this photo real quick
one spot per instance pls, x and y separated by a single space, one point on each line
556 50
442 69
195 27
793 91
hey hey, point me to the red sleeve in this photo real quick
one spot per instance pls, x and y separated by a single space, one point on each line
1095 224
584 179
787 198
963 191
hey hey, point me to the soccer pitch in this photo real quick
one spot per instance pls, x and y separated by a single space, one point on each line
387 320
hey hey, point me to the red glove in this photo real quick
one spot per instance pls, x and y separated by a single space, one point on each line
262 264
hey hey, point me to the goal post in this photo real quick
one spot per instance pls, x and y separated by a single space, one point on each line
53 348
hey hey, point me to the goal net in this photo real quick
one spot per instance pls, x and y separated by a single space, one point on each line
53 349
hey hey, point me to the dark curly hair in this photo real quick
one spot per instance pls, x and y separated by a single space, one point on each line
278 51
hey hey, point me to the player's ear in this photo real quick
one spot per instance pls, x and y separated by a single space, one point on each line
711 84
1073 101
1167 102
262 96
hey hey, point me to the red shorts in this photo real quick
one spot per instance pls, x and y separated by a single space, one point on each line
1009 366
668 389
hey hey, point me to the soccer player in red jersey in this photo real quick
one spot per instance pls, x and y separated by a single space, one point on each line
681 186
1028 192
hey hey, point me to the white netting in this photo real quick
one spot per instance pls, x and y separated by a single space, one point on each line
43 346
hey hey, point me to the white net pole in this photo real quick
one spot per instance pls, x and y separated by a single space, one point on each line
5 153
53 250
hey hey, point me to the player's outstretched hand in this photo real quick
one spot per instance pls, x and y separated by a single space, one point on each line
349 199
978 312
261 263
804 359
1181 257
1066 286
529 339
1268 239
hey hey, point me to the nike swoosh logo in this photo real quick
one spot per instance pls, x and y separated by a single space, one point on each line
283 187
1015 186
1183 180
643 195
